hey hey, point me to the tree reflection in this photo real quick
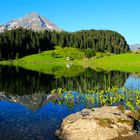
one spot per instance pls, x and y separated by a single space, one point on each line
18 81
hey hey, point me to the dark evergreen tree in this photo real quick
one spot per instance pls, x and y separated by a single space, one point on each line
21 42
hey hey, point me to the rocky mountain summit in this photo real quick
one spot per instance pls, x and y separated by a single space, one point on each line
31 21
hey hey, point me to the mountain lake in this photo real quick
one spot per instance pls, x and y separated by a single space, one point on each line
30 109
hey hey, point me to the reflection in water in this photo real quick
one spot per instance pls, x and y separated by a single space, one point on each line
35 114
133 82
17 81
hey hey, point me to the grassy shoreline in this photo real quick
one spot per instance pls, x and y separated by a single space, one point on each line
128 62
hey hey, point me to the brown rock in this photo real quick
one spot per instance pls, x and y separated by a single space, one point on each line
104 123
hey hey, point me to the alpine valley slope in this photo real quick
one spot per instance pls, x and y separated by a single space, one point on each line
31 21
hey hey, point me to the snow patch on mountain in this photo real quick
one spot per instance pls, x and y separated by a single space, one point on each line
31 21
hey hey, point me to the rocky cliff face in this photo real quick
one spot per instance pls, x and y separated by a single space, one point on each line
31 21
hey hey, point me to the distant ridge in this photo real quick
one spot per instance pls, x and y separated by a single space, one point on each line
135 46
31 21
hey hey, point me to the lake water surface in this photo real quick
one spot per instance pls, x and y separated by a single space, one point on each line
27 112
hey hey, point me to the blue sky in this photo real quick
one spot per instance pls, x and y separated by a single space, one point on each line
122 16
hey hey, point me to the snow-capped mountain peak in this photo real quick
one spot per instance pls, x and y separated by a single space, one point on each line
31 21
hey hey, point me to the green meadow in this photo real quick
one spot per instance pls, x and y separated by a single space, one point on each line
56 62
52 62
58 55
128 62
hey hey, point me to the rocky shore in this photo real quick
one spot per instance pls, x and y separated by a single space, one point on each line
106 123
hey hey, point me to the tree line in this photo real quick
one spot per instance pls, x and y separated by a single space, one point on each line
21 42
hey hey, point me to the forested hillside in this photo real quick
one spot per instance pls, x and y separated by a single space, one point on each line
21 42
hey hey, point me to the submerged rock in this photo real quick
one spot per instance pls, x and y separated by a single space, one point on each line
104 123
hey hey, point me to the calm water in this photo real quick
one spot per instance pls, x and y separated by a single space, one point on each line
25 112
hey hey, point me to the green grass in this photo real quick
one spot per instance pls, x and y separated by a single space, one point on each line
48 61
52 62
128 62
58 55
121 58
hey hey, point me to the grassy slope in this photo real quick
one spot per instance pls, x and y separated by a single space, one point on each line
47 63
58 55
129 62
